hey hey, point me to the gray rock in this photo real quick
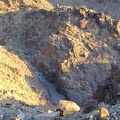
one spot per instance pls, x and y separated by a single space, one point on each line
47 116
2 116
21 115
3 113
110 91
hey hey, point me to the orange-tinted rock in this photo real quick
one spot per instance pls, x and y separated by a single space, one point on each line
83 23
118 27
103 112
66 107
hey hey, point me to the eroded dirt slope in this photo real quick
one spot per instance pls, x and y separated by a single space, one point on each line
18 81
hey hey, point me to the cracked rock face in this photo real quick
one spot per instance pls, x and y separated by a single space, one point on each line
74 54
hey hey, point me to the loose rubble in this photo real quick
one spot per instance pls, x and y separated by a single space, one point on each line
103 111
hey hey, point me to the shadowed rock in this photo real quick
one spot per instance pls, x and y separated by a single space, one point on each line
110 92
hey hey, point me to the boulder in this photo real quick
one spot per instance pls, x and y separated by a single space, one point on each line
66 107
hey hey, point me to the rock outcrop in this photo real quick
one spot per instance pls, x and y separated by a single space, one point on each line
110 92
73 54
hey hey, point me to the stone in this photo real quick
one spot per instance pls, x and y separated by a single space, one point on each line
14 118
92 13
2 117
47 116
73 116
59 118
118 27
89 106
2 42
21 115
115 71
83 23
98 95
100 19
103 112
67 107
82 11
109 90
